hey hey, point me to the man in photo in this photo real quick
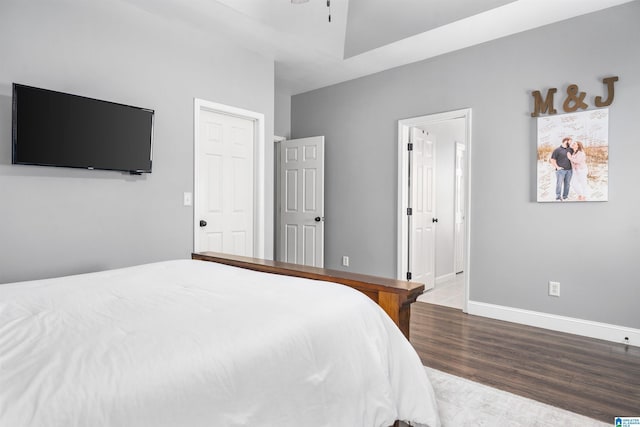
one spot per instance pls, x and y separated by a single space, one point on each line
560 161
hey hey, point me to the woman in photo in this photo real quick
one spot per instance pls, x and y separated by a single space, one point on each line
579 165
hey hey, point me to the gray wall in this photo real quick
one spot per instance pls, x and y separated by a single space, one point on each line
517 245
56 221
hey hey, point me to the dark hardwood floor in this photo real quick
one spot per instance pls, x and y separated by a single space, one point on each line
595 378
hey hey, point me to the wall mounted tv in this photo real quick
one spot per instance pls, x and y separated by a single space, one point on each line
60 129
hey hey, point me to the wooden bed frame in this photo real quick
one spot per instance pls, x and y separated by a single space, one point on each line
394 296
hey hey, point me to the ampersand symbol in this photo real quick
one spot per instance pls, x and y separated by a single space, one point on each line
575 98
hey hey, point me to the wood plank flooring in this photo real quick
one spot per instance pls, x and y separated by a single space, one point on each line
595 378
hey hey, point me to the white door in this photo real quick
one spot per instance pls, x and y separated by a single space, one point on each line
302 201
422 201
225 184
459 222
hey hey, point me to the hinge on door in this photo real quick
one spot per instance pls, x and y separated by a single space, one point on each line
410 146
409 211
408 275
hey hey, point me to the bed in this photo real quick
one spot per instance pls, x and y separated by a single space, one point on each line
393 296
193 343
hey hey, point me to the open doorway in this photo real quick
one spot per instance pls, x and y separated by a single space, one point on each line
447 246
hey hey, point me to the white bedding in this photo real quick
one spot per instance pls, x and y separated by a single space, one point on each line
194 343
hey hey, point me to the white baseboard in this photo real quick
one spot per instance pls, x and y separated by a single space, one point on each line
570 325
445 278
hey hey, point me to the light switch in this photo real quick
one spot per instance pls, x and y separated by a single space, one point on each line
187 199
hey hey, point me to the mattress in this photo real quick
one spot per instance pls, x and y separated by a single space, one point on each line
194 343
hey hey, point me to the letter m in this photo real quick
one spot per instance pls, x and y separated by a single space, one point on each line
545 106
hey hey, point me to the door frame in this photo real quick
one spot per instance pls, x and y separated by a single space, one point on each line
402 223
258 120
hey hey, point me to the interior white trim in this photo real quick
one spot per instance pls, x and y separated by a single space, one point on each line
402 223
587 328
259 167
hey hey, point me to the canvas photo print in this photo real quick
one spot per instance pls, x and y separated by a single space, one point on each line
573 157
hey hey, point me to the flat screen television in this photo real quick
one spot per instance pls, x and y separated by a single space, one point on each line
60 129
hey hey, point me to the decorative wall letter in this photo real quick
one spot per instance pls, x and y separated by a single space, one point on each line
546 106
609 81
572 91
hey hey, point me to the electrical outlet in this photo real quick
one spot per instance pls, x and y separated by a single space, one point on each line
554 289
345 261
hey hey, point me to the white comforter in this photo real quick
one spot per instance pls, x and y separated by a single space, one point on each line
194 343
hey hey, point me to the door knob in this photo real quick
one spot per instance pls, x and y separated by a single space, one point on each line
317 219
434 220
203 223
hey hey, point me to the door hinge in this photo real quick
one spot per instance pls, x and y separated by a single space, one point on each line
409 211
410 146
408 275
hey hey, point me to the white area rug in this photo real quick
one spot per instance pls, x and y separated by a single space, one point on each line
466 403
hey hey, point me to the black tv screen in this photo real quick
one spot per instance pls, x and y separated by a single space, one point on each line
60 129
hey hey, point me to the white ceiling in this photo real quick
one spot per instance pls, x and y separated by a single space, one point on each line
364 36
